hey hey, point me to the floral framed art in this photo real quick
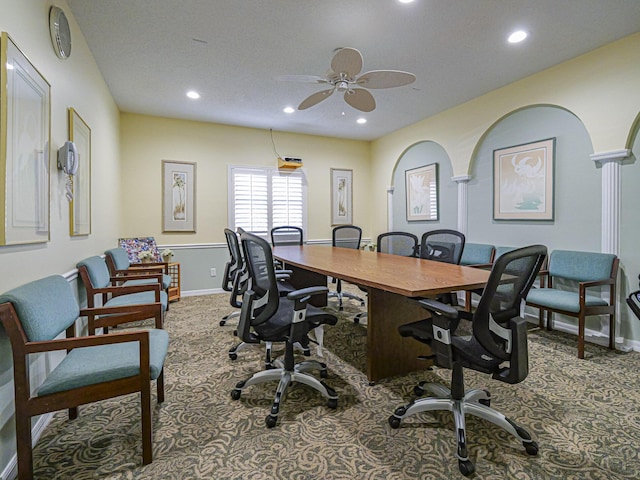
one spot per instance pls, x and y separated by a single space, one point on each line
421 186
523 181
25 132
178 196
341 197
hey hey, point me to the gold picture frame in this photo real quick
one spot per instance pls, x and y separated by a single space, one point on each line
80 205
25 133
421 185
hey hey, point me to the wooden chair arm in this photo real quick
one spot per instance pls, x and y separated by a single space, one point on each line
111 316
126 289
143 267
595 283
141 336
163 265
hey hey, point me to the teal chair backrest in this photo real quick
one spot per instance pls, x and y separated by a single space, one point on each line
97 270
476 254
120 258
45 307
580 266
501 251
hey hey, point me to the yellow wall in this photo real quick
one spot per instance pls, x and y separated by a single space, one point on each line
75 82
146 141
602 88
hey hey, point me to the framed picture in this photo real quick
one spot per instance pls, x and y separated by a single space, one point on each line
80 205
341 197
523 181
24 148
421 185
178 196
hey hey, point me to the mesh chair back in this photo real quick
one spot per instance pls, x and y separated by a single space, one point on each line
235 264
398 243
347 236
442 246
511 278
262 278
287 235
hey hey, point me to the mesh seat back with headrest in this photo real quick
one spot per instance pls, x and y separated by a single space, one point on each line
511 278
398 243
442 246
287 235
347 236
262 277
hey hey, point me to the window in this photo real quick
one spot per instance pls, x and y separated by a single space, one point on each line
263 198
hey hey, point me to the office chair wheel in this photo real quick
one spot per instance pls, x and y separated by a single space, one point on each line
466 467
394 422
235 393
222 323
332 403
418 391
485 401
356 320
233 356
531 448
271 421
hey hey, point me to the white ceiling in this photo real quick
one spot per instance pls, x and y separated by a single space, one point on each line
231 51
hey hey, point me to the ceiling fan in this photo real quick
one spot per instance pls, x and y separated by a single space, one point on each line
346 64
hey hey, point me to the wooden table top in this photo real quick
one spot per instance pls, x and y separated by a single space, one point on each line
410 277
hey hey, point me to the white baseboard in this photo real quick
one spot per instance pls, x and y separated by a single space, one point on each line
11 470
196 293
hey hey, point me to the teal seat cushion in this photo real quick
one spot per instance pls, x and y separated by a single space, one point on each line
562 300
166 281
92 365
137 299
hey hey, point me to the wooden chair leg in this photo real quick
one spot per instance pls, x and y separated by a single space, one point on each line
540 318
467 301
160 387
73 413
612 332
549 320
581 336
24 446
147 432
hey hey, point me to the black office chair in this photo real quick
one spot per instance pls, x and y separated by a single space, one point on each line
287 235
267 317
442 246
346 236
233 271
497 346
396 243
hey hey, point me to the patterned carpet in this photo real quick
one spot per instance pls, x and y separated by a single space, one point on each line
584 414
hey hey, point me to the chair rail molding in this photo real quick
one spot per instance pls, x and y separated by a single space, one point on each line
463 200
610 162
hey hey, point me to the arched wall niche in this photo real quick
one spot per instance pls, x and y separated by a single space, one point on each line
419 154
577 182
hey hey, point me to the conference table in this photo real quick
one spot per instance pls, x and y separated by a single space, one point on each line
393 283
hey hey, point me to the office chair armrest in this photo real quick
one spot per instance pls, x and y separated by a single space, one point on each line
280 271
309 291
440 308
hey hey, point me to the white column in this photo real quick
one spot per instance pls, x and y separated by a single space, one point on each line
463 208
611 162
390 208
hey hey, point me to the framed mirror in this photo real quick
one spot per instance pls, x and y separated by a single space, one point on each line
80 204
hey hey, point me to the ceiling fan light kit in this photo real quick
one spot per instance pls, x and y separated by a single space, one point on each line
343 77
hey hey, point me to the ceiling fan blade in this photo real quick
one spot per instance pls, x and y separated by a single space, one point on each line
314 99
348 61
301 78
385 79
360 99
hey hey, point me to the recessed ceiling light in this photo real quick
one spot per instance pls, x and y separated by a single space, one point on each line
517 36
361 120
288 110
193 94
405 1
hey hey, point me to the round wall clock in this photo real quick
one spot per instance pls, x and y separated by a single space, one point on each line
60 33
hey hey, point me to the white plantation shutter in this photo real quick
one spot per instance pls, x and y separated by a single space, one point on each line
263 198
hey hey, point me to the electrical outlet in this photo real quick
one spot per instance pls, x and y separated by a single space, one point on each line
213 272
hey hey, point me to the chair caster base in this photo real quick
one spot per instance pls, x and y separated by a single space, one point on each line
531 448
271 421
466 467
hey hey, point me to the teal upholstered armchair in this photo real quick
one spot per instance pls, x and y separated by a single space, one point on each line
95 368
574 280
135 274
97 281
